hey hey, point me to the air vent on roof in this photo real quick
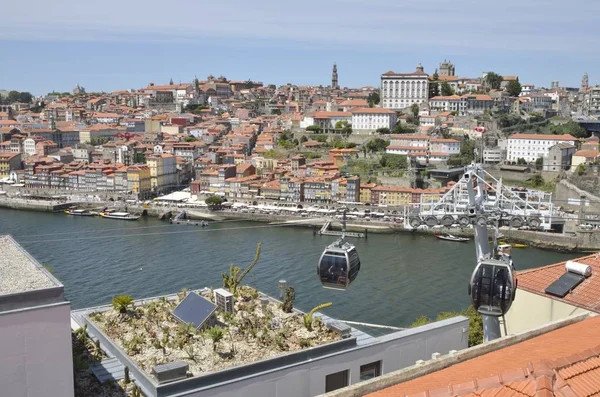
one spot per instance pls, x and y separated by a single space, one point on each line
170 372
576 273
224 300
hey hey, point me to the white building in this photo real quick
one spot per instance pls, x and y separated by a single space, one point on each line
327 120
29 146
401 90
367 120
533 146
423 148
442 145
35 328
453 103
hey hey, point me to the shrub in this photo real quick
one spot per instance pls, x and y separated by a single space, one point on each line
308 319
122 303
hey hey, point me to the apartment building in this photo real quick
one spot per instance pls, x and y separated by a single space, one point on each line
163 171
533 146
9 161
401 90
367 120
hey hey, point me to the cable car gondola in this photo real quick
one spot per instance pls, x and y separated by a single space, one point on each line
339 264
493 286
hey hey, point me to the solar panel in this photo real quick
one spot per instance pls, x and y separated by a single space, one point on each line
564 284
194 309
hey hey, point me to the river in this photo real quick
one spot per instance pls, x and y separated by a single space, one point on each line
402 275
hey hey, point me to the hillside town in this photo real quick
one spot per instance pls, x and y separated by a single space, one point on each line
246 140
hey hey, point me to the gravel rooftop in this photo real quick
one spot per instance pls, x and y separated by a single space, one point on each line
18 271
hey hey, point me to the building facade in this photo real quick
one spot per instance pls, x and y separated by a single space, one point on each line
368 120
401 90
533 146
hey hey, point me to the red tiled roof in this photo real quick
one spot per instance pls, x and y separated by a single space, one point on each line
587 153
586 294
509 372
372 110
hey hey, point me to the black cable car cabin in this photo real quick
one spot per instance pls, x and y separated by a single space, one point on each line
339 265
493 287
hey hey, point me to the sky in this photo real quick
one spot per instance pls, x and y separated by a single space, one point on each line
113 45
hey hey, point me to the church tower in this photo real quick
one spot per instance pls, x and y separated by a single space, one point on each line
334 78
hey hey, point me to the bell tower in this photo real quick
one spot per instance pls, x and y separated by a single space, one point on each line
334 78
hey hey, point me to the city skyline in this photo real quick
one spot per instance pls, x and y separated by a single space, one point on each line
124 46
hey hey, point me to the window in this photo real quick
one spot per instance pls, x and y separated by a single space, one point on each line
336 381
369 371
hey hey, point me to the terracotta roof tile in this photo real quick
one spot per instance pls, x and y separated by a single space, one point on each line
509 367
586 295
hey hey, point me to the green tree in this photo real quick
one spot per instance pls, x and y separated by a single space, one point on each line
403 129
13 96
539 163
189 139
344 126
393 161
521 161
493 80
383 131
303 139
434 85
373 99
377 145
213 202
139 158
314 128
414 109
580 170
475 323
513 88
321 138
537 180
447 89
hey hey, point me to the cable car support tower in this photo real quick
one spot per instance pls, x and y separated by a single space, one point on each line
493 284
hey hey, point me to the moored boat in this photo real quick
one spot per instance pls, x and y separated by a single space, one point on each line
77 212
119 215
513 245
449 237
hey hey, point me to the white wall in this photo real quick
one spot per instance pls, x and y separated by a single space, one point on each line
395 352
35 352
530 310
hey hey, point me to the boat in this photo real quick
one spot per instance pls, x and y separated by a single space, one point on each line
513 245
76 212
119 215
449 237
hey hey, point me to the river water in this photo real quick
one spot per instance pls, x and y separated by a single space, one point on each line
402 275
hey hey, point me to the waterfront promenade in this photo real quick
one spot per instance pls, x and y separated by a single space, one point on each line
584 241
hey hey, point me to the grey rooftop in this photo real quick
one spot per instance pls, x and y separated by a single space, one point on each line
19 271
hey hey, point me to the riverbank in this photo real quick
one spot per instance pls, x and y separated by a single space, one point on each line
581 241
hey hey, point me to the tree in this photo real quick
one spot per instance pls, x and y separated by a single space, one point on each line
447 89
521 161
383 131
513 88
537 180
373 99
493 80
377 145
314 128
403 129
121 303
475 323
393 161
303 139
189 139
539 163
414 108
344 126
232 280
434 85
213 201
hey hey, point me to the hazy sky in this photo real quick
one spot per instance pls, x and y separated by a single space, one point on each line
110 45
